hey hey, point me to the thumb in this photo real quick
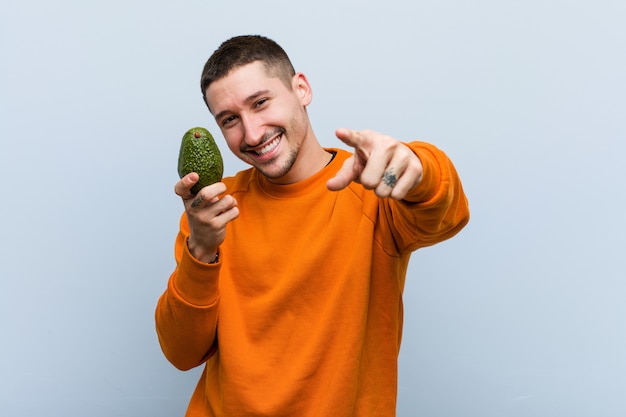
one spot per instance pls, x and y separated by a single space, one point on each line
344 176
183 186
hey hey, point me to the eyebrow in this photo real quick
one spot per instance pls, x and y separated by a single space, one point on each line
251 97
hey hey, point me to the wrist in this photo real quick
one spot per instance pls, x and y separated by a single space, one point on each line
216 258
202 255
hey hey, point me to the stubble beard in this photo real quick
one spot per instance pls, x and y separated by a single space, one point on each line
273 172
274 168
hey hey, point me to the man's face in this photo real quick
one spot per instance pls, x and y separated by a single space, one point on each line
263 120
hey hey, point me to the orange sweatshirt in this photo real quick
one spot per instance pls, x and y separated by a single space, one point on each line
302 315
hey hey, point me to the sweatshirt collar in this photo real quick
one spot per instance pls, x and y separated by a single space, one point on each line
308 185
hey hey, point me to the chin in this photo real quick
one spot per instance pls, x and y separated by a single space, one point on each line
275 170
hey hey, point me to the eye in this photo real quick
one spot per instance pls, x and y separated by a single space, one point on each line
228 120
260 103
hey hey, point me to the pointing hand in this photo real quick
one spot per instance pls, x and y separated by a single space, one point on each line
380 163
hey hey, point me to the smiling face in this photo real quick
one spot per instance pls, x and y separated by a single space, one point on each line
264 121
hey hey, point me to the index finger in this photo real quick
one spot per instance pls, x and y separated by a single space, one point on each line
349 137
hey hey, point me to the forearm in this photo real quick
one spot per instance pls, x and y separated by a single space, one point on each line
186 313
438 206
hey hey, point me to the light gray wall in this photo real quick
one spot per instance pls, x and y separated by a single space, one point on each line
522 314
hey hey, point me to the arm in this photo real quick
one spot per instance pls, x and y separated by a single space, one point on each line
434 210
186 313
426 203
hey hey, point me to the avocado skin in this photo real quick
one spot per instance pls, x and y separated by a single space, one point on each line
199 153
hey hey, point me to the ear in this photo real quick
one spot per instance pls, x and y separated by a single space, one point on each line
302 88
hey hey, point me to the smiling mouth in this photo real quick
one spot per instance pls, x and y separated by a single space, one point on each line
269 146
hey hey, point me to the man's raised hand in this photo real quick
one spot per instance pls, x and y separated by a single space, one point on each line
380 163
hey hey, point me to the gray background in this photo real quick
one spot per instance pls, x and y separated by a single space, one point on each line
522 314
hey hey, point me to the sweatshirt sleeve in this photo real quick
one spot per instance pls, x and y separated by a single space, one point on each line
435 210
186 313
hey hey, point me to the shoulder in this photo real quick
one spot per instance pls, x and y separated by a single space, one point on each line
240 181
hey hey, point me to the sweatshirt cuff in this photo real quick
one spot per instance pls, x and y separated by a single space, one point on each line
197 282
430 184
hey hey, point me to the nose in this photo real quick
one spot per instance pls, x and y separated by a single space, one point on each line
253 130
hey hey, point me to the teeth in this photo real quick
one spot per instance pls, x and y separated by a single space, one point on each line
268 147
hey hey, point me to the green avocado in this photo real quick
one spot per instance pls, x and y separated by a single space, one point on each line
199 153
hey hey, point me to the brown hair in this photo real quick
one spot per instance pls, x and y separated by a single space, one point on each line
241 50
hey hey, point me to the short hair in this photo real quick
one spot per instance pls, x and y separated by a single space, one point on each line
242 50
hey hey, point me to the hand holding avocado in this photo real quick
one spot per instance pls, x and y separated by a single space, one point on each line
200 168
199 153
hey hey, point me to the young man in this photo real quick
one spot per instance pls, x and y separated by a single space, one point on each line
289 277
